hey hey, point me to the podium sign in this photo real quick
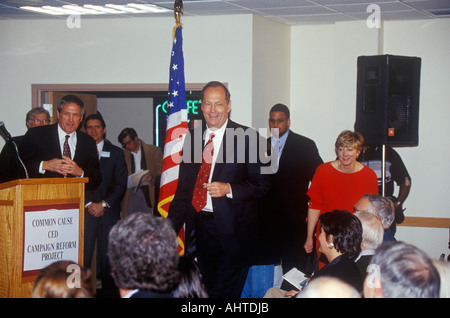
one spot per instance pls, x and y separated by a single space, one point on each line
41 221
50 235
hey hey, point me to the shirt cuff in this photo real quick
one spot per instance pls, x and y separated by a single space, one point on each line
40 168
230 195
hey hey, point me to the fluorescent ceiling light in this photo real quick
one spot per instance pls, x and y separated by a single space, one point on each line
148 7
89 9
81 10
103 9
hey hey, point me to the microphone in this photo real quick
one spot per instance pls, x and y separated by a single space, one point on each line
8 138
5 131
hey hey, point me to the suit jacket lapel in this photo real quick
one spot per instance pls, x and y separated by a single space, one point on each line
77 149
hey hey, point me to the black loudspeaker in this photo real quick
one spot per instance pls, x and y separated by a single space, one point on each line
387 101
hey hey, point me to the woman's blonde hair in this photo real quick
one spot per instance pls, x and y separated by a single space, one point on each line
349 139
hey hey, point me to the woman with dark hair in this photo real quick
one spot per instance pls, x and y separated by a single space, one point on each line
340 241
190 285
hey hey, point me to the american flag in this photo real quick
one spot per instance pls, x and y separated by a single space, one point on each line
176 130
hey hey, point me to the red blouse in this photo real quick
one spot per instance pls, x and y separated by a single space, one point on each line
331 189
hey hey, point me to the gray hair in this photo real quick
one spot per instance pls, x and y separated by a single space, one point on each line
381 207
406 271
373 232
143 252
36 111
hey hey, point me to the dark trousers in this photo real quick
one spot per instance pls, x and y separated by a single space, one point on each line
222 279
97 229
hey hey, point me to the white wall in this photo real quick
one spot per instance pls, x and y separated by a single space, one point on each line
122 112
323 103
428 163
271 68
122 50
253 55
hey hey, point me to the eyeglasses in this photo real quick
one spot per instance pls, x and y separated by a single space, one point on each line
38 121
125 144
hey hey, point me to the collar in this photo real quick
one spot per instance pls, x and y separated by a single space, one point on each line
364 253
218 132
62 134
130 293
100 146
139 149
278 143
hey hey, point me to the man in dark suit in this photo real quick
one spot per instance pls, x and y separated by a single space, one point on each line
42 149
10 166
103 204
287 202
224 226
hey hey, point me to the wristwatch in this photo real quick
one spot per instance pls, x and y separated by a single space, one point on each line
104 204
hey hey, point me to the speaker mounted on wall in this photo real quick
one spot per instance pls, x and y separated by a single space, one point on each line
387 101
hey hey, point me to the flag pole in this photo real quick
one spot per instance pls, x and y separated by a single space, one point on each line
177 12
176 124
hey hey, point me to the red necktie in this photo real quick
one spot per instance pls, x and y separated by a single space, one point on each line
66 148
199 197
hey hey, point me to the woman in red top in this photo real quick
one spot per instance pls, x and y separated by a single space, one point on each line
339 184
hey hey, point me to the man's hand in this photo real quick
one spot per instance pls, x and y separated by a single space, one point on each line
71 167
96 209
64 166
217 189
55 165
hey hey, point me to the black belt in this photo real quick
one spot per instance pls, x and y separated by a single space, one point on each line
206 214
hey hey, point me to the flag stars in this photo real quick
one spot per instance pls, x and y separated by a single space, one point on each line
175 93
175 67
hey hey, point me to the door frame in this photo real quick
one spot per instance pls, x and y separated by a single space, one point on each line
38 91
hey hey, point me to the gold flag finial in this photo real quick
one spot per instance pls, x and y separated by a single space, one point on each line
178 10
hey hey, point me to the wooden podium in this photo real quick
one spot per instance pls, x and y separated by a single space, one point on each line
41 221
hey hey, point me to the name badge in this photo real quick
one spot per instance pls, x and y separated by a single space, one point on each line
105 154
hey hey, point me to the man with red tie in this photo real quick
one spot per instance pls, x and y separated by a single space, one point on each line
221 226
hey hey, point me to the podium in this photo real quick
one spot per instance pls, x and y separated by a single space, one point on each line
41 221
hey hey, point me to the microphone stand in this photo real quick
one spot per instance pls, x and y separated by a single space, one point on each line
18 157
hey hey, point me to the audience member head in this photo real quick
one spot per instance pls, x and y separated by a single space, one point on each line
37 117
341 233
349 139
372 230
328 287
443 268
143 252
380 206
190 284
400 270
63 279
